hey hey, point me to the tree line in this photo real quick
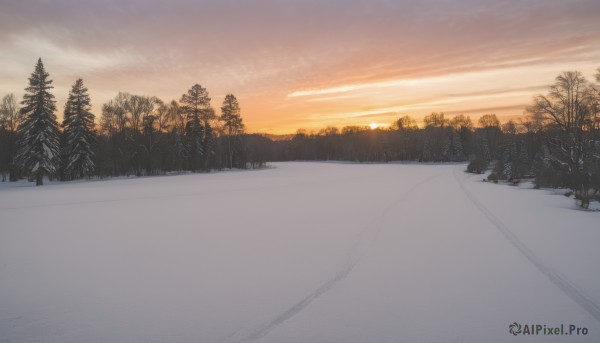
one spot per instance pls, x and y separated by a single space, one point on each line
135 134
557 143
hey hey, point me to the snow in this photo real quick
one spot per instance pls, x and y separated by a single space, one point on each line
302 252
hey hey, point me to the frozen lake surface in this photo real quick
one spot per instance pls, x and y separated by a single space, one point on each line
302 252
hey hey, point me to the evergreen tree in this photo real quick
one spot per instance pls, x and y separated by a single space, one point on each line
79 135
194 103
232 124
39 146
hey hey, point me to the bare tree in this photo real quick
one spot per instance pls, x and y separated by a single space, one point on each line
115 114
140 107
10 118
404 123
489 120
568 108
460 122
434 120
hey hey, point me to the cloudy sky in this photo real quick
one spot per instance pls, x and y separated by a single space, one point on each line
304 63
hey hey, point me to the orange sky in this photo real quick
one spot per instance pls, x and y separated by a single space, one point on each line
306 64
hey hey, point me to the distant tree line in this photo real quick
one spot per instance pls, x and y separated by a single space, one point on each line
557 144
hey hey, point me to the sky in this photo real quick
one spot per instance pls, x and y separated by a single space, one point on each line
305 63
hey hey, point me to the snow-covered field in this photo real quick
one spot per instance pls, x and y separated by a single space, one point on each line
303 252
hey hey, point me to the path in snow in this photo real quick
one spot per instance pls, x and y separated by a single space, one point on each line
363 242
578 296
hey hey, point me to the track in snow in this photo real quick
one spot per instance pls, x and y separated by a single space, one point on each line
356 253
566 286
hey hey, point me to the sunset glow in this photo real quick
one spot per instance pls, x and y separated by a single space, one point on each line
305 64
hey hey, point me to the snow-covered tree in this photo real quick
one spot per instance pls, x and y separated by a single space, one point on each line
571 109
79 135
38 145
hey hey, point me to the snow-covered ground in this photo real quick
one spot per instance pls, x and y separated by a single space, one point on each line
303 252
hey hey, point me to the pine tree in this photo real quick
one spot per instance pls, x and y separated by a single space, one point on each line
39 146
79 135
232 123
194 103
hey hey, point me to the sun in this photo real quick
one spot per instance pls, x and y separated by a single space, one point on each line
373 126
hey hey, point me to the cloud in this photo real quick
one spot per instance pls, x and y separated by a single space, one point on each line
72 58
288 60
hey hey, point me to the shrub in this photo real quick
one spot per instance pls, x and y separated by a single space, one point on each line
477 166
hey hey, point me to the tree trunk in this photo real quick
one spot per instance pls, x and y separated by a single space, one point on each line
229 151
12 174
39 178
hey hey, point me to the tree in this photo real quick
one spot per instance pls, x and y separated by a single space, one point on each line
509 128
404 123
434 120
461 122
10 114
194 103
114 114
232 125
435 135
568 110
490 127
463 125
140 107
10 118
38 145
208 116
114 123
175 116
78 133
489 120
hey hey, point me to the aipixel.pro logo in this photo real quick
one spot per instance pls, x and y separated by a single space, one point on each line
516 329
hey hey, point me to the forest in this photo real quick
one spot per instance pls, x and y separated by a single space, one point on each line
557 144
